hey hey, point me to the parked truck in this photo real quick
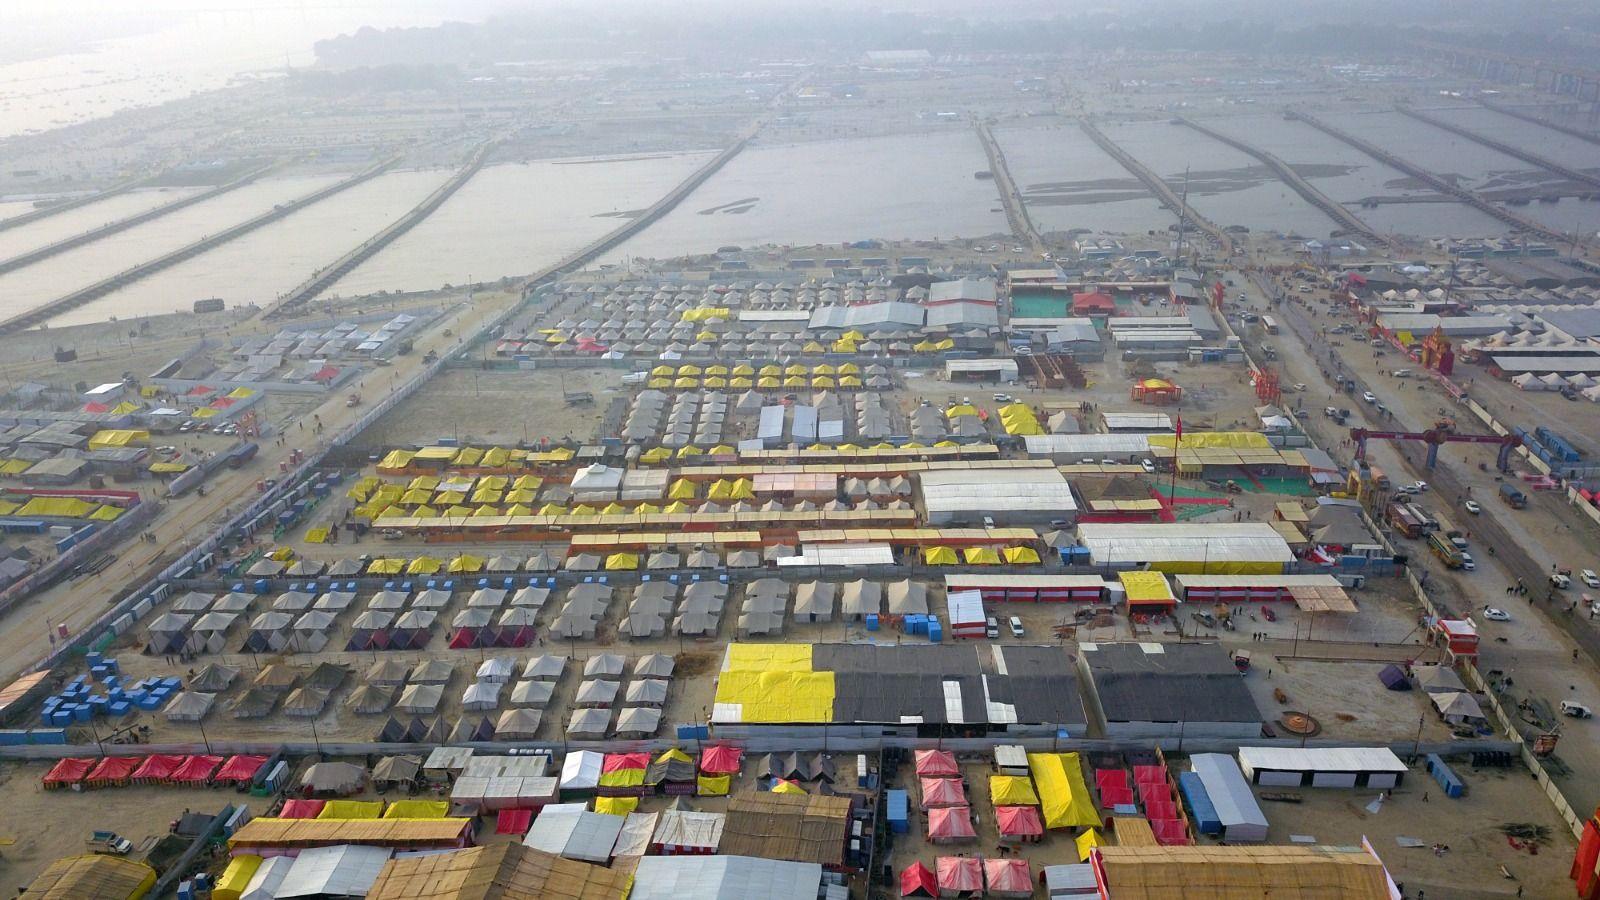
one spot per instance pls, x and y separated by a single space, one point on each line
1512 497
110 843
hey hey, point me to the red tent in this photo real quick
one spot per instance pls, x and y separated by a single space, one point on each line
720 760
93 407
617 762
942 792
66 772
1020 822
1093 303
959 875
948 824
239 769
113 770
200 390
1150 774
156 769
1008 877
917 880
937 764
1169 832
197 769
513 821
302 809
1111 778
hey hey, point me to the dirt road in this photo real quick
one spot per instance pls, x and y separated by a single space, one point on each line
25 638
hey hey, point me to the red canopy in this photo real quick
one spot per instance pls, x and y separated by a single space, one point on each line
960 874
937 763
1019 821
617 762
302 809
157 768
1009 876
113 769
950 823
240 768
720 760
917 880
942 792
197 769
513 821
68 771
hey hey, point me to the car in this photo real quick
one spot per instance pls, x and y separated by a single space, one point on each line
1148 466
1086 461
1471 506
1407 489
1401 373
1299 387
1576 710
991 628
1376 342
1560 581
1109 462
1588 577
1305 288
1420 486
1494 614
1016 626
1060 523
1467 562
1369 396
1331 412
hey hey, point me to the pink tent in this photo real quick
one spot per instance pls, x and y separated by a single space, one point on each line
1019 822
513 821
617 762
949 824
1008 877
302 809
937 764
959 875
917 880
720 760
942 792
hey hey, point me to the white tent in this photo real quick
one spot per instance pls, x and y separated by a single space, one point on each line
581 770
570 830
497 670
536 694
481 695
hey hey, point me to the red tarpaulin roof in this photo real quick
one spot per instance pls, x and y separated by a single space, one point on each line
939 763
917 880
1169 832
513 821
159 767
241 768
197 768
942 792
1111 778
93 407
114 768
950 823
616 762
721 760
960 873
302 809
68 771
1019 821
200 390
1092 300
1010 875
326 373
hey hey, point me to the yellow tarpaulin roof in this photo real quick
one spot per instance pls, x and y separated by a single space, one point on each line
107 513
424 565
1086 842
713 785
1228 440
616 806
1012 790
56 507
352 809
397 459
1063 795
981 556
787 787
417 809
1021 555
1145 587
236 877
622 562
118 437
775 683
466 562
939 556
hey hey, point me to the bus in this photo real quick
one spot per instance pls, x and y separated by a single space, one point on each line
1446 551
1269 324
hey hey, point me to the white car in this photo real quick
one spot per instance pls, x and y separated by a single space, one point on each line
1420 486
1495 614
1588 577
1016 627
1148 466
1471 506
1369 396
1467 562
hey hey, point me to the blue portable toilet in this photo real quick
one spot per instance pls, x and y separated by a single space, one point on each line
1452 784
872 621
896 808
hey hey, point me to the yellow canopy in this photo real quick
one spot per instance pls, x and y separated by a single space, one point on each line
1087 842
424 565
740 383
721 450
527 483
689 450
795 369
771 369
468 456
520 496
1064 797
658 384
466 563
384 566
582 511
823 369
813 347
674 755
678 506
743 369
622 562
685 381
939 556
822 382
655 455
495 457
787 787
849 381
552 509
981 556
614 509
663 372
713 785
690 369
1012 790
281 554
1021 556
519 509
796 381
429 483
960 409
646 509
769 382
717 370
616 806
851 368
715 381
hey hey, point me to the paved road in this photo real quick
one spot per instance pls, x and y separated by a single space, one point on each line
1535 648
24 639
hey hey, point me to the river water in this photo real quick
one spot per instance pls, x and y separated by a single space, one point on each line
1348 176
1225 185
515 219
25 238
265 263
37 284
918 186
1068 182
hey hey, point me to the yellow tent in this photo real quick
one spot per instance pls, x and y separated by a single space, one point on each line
560 454
743 489
552 509
849 381
795 381
56 508
352 809
1021 556
384 566
713 785
663 372
417 809
690 369
281 554
614 509
852 335
686 382
770 369
646 509
397 459
721 450
1087 842
582 511
743 369
495 457
939 556
787 787
768 382
429 483
236 877
493 482
677 507
946 444
1063 795
616 806
519 509
520 496
721 489
924 346
981 556
689 450
107 513
467 456
449 498
823 369
126 407
674 755
316 535
960 409
740 383
1012 790
795 369
822 381
555 337
527 483
118 437
659 384
847 449
622 562
424 512
844 347
850 368
717 370
465 564
813 347
485 495
655 455
416 497
716 381
424 565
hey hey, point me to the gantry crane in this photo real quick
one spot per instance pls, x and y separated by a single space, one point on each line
1442 432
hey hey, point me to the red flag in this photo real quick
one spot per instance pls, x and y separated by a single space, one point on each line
1180 428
